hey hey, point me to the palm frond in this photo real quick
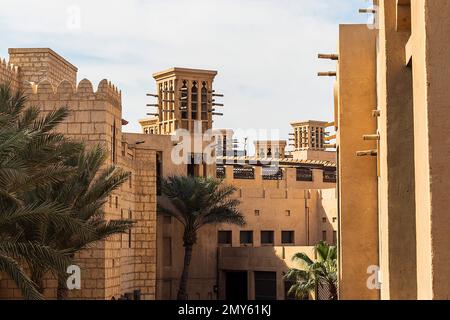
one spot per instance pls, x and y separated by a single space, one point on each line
302 258
41 255
13 270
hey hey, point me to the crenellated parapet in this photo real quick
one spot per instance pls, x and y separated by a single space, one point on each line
108 91
65 91
9 73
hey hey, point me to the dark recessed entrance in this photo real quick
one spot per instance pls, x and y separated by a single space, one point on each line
236 286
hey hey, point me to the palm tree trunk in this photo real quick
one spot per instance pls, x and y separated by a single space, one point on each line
182 291
333 291
61 291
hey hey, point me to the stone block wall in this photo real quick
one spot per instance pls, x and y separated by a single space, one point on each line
122 263
37 64
9 73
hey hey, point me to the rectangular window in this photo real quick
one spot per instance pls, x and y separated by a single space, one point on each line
220 172
246 237
287 237
265 285
272 173
256 212
224 237
130 217
244 173
329 176
113 142
304 174
158 173
334 237
267 237
288 213
324 235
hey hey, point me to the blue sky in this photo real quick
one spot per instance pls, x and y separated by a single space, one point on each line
264 50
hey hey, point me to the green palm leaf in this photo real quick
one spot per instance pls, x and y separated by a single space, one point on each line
13 269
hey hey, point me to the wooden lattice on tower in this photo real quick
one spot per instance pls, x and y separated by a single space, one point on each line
309 135
185 100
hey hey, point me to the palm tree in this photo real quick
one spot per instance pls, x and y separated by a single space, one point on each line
29 158
52 193
321 273
84 193
196 202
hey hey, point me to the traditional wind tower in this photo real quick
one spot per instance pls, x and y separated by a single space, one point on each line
309 135
310 141
185 99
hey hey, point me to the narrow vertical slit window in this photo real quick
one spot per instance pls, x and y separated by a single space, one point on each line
171 98
184 100
194 100
113 142
165 115
130 216
204 101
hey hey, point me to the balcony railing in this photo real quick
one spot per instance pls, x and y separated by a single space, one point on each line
304 174
220 172
272 173
243 173
329 176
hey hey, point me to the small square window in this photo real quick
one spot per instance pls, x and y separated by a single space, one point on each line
334 219
267 237
287 237
257 212
288 213
324 220
224 237
246 237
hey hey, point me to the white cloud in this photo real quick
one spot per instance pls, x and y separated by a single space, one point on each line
265 51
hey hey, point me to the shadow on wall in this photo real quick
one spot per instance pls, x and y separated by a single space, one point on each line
327 223
260 271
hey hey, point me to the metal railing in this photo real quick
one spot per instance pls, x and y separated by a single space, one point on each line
272 173
243 173
304 174
220 172
329 176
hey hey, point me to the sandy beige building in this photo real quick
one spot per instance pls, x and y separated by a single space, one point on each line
289 203
287 207
310 140
123 265
391 101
